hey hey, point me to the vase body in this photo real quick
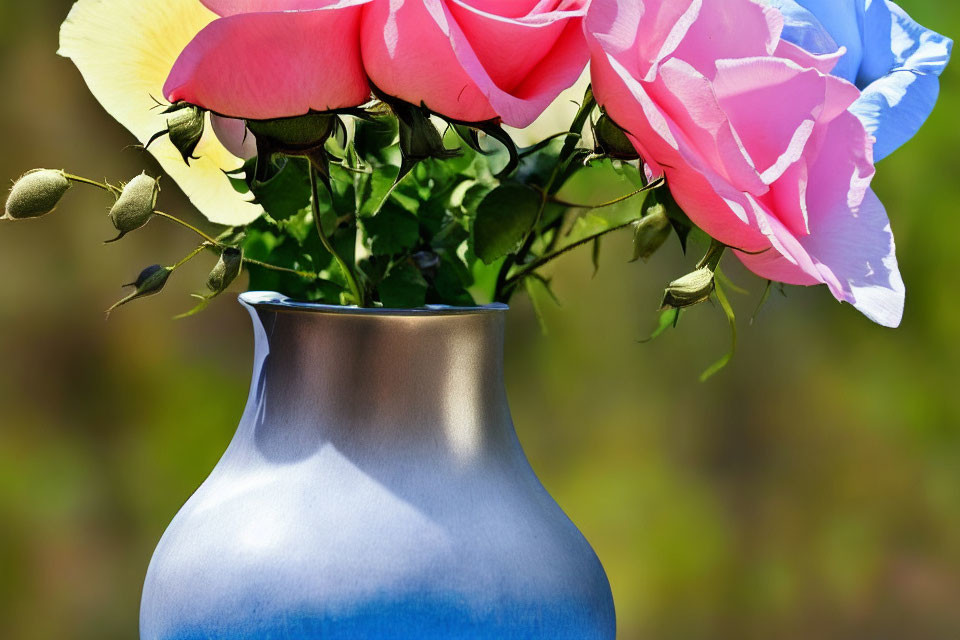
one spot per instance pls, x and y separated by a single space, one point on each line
375 489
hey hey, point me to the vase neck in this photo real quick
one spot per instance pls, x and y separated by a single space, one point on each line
418 379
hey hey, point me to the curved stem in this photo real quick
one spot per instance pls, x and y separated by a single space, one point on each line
190 256
93 183
537 264
210 241
610 203
186 224
546 141
315 206
346 167
503 287
307 275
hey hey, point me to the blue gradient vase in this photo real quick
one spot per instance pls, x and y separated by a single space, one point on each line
375 489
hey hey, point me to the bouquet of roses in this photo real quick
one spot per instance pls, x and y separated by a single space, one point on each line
356 152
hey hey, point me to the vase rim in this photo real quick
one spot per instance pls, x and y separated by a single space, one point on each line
271 300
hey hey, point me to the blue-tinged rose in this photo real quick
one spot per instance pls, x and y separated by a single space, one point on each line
894 61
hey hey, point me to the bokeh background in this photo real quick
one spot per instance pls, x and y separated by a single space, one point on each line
811 490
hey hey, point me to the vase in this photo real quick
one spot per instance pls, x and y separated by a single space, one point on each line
374 489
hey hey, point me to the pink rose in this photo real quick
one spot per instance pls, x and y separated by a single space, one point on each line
755 140
475 60
265 59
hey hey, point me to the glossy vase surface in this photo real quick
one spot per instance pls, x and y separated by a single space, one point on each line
375 489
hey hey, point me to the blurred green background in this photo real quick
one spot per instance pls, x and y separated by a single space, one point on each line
811 490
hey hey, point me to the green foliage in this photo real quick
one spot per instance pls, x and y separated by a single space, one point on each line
403 288
392 231
388 207
504 218
287 191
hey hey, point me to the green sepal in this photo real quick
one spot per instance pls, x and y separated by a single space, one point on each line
468 132
419 138
293 135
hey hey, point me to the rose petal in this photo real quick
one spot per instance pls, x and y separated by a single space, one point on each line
263 66
850 245
475 71
233 7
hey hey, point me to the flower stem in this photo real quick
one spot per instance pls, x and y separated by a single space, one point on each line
306 275
190 256
537 264
315 207
93 183
654 185
210 241
503 289
184 223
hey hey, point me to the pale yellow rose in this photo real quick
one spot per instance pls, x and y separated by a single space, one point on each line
124 49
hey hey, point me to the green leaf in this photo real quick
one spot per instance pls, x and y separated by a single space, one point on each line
287 192
392 231
451 282
403 288
539 290
473 196
668 320
571 166
763 301
372 138
504 218
374 190
534 287
732 319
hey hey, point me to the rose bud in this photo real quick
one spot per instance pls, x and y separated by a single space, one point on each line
135 205
612 141
150 281
652 231
690 290
185 127
226 270
35 194
419 138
